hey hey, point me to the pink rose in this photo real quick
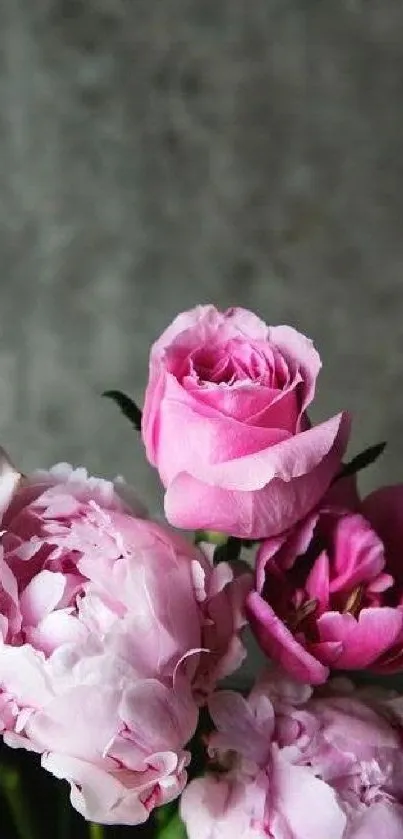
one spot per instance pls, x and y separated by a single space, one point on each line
225 424
297 766
108 639
329 593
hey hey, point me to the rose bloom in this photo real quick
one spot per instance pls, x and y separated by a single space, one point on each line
108 640
289 765
329 593
225 424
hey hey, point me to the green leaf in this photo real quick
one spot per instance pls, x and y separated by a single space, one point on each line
174 829
96 831
162 815
11 787
361 461
128 407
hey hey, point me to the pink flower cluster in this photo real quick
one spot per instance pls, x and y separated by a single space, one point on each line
329 586
300 766
115 629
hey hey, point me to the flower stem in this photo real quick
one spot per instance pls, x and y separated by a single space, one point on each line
96 831
12 790
173 829
64 809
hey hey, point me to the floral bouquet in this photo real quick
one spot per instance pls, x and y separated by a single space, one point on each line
117 630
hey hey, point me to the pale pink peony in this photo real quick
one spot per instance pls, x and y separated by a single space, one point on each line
109 640
225 424
297 766
329 592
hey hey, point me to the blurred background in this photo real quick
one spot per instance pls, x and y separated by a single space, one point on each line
155 154
159 153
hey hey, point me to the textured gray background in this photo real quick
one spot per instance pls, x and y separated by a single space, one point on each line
160 153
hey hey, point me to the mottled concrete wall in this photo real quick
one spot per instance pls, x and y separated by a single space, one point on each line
158 153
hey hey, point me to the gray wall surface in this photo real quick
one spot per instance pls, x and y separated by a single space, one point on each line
160 153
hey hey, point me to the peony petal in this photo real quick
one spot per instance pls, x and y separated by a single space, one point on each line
158 718
327 652
384 510
365 639
9 603
23 671
286 547
317 583
9 481
41 596
279 644
358 553
96 794
56 629
217 808
246 730
307 805
382 820
80 723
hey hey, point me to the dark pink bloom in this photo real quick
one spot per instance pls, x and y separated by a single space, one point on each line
329 593
225 423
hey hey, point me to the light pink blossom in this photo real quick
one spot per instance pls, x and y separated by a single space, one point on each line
299 766
109 639
225 423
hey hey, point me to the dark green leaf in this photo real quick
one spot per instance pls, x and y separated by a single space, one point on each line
127 406
361 461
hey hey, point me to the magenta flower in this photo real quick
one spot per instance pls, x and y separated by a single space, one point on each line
297 766
329 593
225 423
109 639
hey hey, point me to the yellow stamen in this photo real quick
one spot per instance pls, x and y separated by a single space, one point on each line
353 602
301 613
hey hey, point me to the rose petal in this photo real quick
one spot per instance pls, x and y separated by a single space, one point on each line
289 459
190 503
299 349
204 321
